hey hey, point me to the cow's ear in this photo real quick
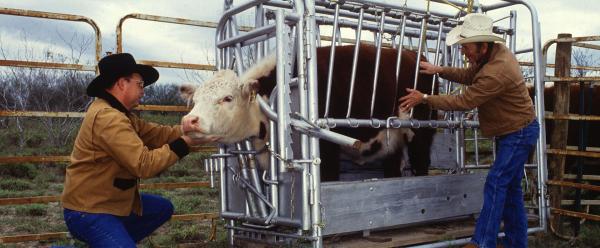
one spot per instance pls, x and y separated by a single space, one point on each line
186 91
250 88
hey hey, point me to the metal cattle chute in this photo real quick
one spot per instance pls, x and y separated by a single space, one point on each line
287 202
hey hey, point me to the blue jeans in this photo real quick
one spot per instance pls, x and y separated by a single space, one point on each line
502 194
107 230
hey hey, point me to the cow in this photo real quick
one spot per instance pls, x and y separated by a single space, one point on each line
225 106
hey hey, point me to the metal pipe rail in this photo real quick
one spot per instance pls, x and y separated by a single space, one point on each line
395 123
55 16
171 20
64 235
48 199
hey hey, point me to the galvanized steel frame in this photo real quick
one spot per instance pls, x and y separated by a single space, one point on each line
229 45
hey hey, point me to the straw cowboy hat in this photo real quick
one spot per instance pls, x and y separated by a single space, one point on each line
119 65
475 28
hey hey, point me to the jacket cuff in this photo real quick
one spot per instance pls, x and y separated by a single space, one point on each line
179 147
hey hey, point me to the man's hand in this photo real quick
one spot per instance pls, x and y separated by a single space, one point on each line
190 124
427 68
413 98
196 141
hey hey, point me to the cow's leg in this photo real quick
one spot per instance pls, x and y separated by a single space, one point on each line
419 150
330 161
392 164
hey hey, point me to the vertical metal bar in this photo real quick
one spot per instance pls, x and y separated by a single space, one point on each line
399 55
282 86
255 179
318 35
273 165
437 52
539 66
259 20
355 60
304 146
222 179
244 170
513 28
400 47
377 61
476 145
211 167
313 114
422 38
331 57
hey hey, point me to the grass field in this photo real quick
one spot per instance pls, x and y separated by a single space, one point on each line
46 179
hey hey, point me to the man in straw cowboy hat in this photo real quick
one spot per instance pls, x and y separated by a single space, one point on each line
113 150
496 87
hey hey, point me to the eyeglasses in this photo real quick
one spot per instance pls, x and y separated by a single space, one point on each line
140 83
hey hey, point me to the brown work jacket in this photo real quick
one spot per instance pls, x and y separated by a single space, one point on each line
497 89
112 151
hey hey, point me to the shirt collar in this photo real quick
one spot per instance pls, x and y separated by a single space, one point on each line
113 101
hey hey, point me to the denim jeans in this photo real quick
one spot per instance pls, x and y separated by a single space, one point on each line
502 193
107 230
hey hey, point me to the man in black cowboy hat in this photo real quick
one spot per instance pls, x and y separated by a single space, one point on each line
113 150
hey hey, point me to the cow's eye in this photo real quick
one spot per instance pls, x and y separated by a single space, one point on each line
228 99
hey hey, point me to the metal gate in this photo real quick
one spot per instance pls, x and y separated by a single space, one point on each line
288 202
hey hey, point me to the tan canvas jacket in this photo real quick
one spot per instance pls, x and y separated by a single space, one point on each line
112 151
498 89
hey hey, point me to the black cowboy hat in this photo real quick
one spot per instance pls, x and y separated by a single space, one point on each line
119 65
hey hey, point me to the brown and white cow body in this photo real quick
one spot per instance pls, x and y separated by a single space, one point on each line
226 107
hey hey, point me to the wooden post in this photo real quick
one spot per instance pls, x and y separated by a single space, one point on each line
556 163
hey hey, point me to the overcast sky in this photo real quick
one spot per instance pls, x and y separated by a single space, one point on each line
176 43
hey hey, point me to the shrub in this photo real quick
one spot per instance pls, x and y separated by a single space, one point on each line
15 184
19 170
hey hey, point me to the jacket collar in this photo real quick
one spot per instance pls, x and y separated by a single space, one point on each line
113 101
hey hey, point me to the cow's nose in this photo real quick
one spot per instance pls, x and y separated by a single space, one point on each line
191 123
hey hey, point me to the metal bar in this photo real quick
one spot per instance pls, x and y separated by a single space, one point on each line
33 237
250 198
165 108
396 123
163 19
436 57
513 28
254 179
331 58
575 214
382 4
525 50
422 39
377 62
302 87
261 221
584 177
313 114
355 61
574 185
574 153
583 202
59 16
34 159
282 93
571 79
399 54
323 20
590 68
573 117
586 45
65 235
178 65
539 69
383 44
47 65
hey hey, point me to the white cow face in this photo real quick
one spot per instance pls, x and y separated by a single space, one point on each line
226 106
